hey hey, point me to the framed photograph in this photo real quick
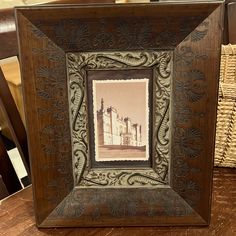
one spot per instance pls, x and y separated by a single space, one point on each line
117 137
120 103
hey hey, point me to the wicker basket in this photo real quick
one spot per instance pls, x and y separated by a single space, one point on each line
225 151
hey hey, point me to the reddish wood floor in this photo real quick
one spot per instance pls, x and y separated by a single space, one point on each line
17 215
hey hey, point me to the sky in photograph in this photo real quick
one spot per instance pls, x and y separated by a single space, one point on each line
129 97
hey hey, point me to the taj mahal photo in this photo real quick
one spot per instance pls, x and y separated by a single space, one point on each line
121 120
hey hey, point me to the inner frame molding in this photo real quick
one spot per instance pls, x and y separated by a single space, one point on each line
77 66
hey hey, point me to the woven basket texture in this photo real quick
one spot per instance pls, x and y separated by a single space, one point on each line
225 150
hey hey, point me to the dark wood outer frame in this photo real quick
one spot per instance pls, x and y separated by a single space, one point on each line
193 30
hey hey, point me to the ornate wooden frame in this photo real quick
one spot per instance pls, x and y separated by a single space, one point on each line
180 43
78 64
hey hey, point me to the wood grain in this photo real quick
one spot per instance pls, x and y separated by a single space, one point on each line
231 9
11 72
17 215
46 34
14 121
8 34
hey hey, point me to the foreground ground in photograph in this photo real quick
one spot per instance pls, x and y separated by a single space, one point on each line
123 152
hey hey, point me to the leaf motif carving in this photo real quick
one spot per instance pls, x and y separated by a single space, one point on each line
78 63
193 88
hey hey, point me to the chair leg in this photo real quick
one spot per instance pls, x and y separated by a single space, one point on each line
7 171
3 190
14 121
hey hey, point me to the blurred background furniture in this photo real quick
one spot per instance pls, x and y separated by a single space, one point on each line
9 112
230 22
225 151
9 180
225 148
3 190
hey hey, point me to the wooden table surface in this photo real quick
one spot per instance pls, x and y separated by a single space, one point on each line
17 215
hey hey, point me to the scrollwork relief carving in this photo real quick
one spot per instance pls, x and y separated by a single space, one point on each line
78 63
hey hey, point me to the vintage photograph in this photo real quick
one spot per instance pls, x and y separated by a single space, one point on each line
121 119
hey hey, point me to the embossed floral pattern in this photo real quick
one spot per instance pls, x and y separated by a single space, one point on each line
160 63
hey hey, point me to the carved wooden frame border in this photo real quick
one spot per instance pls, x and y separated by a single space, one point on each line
160 63
192 31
